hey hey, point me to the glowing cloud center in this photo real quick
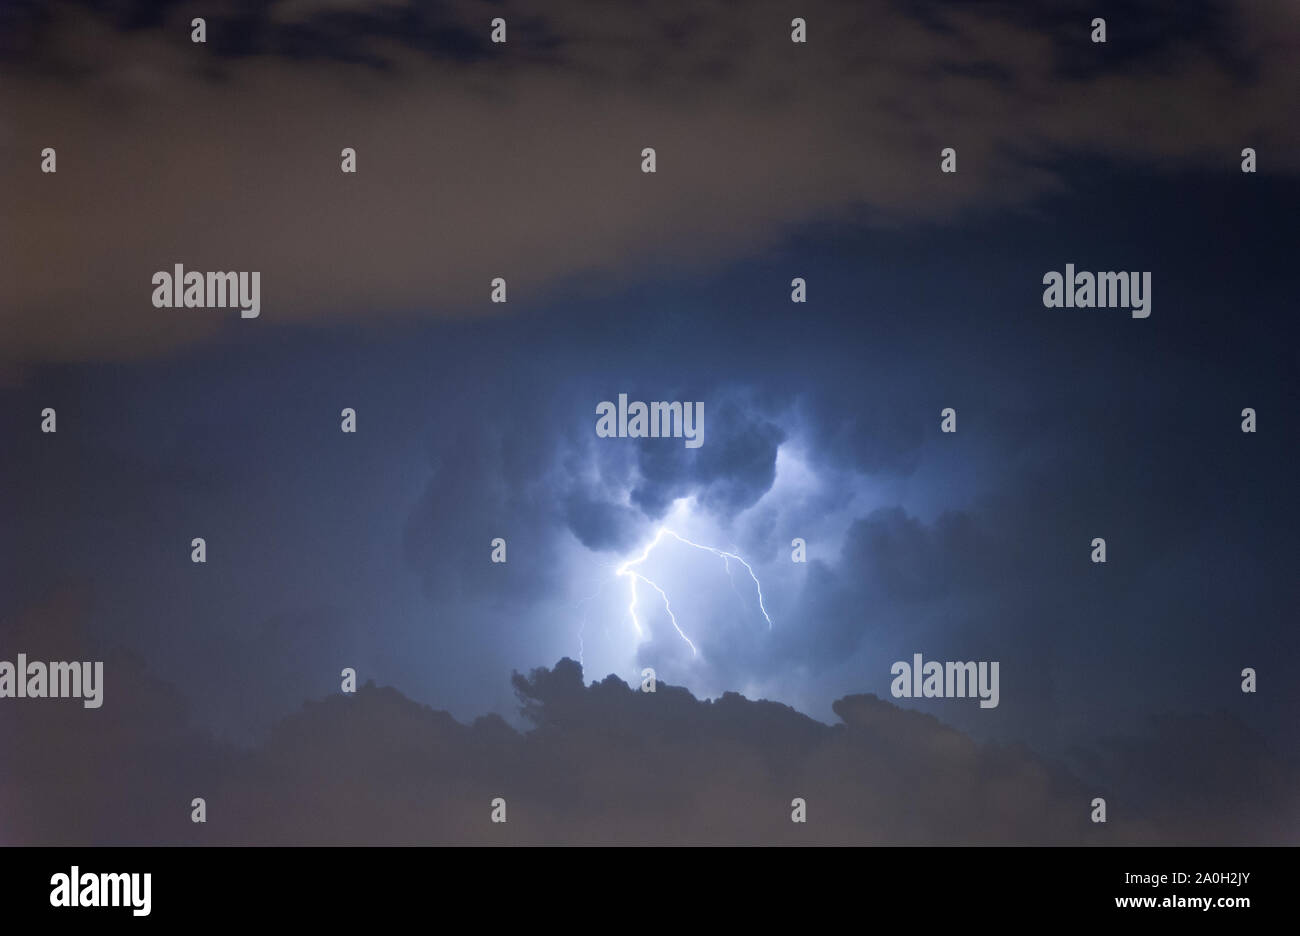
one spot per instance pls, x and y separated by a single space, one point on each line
627 569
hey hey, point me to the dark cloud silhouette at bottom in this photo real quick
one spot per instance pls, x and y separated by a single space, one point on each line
601 763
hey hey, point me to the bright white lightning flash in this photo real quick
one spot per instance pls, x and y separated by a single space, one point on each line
626 569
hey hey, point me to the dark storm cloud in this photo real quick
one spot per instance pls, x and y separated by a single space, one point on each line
906 560
727 474
601 525
480 489
601 763
870 433
366 31
989 556
524 161
345 31
1253 789
1141 35
70 779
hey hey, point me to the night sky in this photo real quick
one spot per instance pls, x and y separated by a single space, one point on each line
476 420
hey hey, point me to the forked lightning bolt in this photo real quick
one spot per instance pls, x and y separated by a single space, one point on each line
627 569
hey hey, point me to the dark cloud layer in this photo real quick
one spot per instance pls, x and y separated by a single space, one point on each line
523 159
726 475
602 763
